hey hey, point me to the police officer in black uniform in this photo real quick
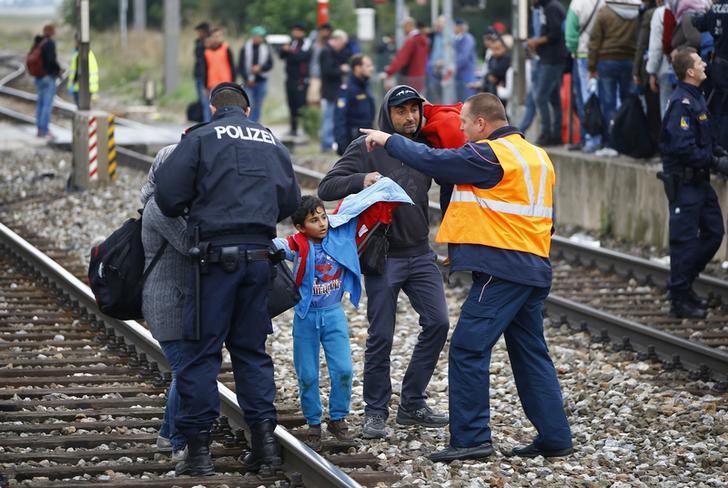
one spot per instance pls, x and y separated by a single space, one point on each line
235 181
688 154
355 105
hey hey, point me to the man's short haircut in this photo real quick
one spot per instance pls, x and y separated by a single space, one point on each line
224 97
357 60
682 61
487 106
309 205
340 34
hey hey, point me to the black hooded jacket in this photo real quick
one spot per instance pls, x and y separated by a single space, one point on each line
409 234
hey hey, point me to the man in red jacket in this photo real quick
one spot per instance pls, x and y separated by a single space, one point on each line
411 59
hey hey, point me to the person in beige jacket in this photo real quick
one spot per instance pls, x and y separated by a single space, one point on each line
611 51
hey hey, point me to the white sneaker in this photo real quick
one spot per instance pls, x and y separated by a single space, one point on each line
606 152
180 455
163 444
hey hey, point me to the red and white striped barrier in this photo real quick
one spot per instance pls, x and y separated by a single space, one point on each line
92 149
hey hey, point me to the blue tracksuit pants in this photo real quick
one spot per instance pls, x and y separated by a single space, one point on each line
234 312
494 307
326 327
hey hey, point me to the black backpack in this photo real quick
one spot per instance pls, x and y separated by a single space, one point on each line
116 271
628 131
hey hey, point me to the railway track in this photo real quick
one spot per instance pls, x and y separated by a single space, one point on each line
83 395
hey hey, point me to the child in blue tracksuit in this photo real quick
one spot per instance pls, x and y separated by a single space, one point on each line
326 265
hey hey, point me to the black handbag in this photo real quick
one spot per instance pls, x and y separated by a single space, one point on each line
284 293
374 255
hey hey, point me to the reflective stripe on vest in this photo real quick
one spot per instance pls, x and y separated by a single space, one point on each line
218 66
516 214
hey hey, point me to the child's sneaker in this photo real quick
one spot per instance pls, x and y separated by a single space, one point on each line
313 437
340 430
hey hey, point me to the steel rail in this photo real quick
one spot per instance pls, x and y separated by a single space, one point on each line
297 457
641 269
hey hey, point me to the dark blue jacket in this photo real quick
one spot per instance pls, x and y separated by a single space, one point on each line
474 164
715 21
354 110
686 139
233 176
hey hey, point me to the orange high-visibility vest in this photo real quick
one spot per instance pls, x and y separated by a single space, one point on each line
218 66
517 213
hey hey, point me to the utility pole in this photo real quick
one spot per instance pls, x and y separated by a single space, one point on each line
448 75
434 8
520 23
123 9
140 15
82 68
171 45
399 16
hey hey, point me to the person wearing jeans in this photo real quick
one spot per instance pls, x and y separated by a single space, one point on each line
256 61
615 84
611 51
550 47
163 297
46 84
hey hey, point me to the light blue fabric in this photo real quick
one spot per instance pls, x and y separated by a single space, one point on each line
327 327
340 241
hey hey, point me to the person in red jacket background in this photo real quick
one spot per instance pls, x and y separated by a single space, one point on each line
411 59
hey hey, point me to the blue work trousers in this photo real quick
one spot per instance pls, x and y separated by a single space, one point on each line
548 99
173 352
204 99
326 133
696 231
257 94
615 84
326 327
420 279
494 307
45 89
234 311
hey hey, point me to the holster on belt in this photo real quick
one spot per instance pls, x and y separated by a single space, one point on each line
198 253
671 182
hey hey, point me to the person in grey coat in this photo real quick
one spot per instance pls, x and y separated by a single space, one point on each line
163 296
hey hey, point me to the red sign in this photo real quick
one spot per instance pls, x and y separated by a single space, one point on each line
323 12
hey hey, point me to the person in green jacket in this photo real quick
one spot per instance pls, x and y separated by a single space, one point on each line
93 73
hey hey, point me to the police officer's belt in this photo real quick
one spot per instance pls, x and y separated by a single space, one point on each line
694 176
244 254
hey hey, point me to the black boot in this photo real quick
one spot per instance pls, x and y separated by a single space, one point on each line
265 453
697 300
198 462
683 308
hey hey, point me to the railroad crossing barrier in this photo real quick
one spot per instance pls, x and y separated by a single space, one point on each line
93 143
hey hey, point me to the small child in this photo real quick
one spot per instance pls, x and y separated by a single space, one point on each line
326 266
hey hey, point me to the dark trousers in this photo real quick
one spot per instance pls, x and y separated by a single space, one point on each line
547 96
296 92
496 307
420 279
696 231
234 312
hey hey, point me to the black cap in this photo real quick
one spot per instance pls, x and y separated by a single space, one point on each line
403 94
298 25
203 26
229 86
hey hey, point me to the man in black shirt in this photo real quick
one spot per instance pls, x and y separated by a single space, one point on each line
551 49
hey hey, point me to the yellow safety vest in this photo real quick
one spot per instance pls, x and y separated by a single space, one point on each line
93 73
517 213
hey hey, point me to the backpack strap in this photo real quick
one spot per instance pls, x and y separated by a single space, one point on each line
154 262
588 21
